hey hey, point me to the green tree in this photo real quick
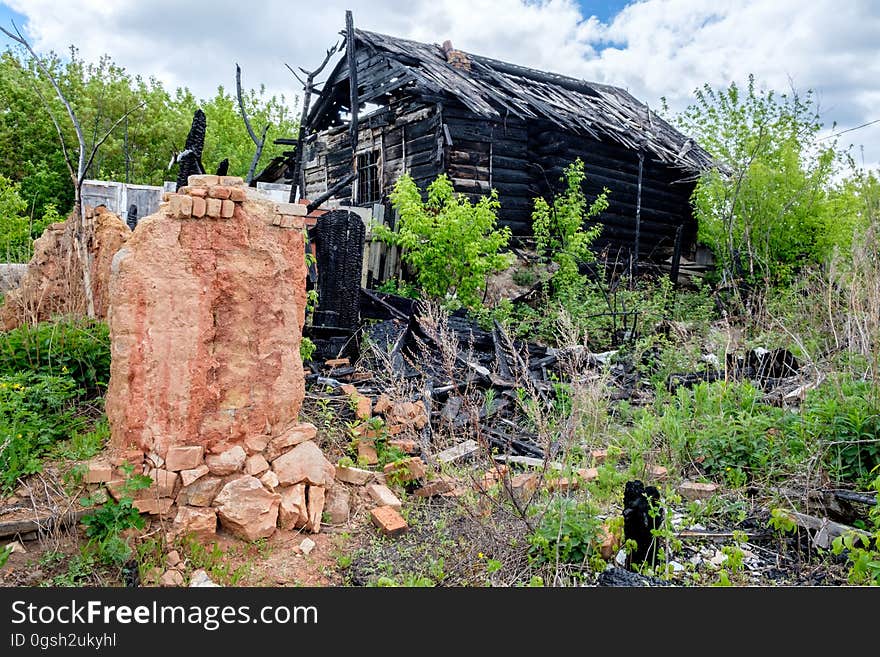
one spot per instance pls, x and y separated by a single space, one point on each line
561 234
764 210
138 150
452 244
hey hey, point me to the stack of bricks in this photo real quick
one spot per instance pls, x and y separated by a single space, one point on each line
215 197
207 196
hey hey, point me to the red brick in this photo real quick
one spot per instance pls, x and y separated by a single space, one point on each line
214 206
406 469
337 362
405 445
199 207
588 474
153 506
695 490
218 191
383 404
98 472
610 543
439 486
186 457
231 181
563 484
524 485
354 476
367 452
657 472
256 465
197 192
599 455
383 496
227 209
203 180
388 520
237 194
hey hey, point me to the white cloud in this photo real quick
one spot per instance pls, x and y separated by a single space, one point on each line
657 47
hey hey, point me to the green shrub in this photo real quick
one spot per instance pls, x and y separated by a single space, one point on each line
452 244
74 348
844 416
863 552
36 411
566 534
104 525
727 428
560 234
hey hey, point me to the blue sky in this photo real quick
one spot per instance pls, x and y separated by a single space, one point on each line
656 49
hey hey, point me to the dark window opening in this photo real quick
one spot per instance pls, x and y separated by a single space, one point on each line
368 177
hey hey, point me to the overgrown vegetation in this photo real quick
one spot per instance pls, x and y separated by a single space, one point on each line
451 243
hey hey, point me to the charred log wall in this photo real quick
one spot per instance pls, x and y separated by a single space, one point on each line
481 154
406 135
665 197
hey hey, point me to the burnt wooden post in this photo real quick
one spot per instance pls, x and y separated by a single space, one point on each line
676 255
635 256
353 88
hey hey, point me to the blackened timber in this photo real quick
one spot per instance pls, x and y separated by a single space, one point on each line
351 49
314 205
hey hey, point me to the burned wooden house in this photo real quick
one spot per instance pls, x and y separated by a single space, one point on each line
427 109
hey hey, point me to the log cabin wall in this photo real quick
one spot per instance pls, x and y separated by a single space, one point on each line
405 136
482 154
664 198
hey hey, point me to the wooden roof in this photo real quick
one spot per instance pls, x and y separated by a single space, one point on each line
495 90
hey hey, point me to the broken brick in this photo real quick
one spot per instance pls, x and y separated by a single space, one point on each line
388 520
237 194
337 362
405 445
98 472
439 486
354 476
383 404
367 452
406 470
695 490
185 457
588 474
383 496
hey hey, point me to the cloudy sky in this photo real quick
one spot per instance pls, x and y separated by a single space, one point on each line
653 48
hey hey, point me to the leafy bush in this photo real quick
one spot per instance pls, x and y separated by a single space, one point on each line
36 411
725 427
560 234
844 416
863 552
566 534
452 244
74 348
104 525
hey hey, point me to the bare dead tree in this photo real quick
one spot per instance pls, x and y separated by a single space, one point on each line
247 124
308 88
83 231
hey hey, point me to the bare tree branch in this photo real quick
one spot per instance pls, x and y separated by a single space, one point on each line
107 134
258 142
18 38
308 88
67 160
